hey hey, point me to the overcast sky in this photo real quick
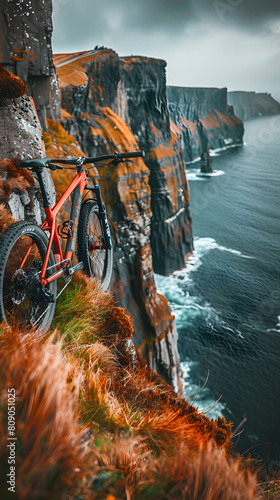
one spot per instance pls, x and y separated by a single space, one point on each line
206 43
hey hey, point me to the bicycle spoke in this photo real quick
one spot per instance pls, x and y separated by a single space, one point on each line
22 300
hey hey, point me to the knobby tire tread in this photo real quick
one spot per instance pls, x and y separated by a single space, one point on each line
7 240
83 254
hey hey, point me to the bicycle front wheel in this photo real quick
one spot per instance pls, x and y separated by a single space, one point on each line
92 251
23 301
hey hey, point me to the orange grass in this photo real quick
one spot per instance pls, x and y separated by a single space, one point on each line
6 218
10 86
81 311
49 450
85 315
209 475
143 440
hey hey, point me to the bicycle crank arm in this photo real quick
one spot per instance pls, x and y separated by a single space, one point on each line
77 267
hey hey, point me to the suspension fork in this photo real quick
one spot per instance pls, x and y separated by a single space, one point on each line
74 218
103 214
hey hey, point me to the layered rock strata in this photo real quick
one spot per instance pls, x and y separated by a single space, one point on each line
111 104
203 120
145 90
249 105
135 89
26 51
21 138
95 112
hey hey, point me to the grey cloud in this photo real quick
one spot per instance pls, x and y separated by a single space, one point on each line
87 19
249 14
160 15
78 23
201 47
90 21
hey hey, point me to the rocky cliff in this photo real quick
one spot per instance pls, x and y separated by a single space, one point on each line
203 119
148 203
145 90
252 105
26 51
21 138
112 104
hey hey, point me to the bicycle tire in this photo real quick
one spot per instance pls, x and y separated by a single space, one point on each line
98 262
22 301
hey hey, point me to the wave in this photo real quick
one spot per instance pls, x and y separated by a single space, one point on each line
216 152
205 245
224 148
192 161
276 330
177 287
197 319
215 173
195 174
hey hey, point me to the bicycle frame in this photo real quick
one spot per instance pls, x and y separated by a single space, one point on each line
77 187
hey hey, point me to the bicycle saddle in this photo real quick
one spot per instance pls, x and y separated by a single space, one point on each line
40 162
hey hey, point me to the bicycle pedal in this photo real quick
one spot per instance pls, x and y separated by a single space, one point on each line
75 268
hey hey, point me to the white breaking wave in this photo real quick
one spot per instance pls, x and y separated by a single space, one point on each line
277 330
187 309
215 173
229 146
171 286
176 288
192 161
195 174
204 245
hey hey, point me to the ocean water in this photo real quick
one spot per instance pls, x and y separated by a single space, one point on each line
227 300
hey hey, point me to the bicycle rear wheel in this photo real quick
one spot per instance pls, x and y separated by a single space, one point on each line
97 259
23 301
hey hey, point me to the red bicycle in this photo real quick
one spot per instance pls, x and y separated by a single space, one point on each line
31 257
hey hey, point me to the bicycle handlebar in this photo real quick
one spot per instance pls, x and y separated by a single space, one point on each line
93 159
79 162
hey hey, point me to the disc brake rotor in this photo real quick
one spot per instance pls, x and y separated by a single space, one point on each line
18 287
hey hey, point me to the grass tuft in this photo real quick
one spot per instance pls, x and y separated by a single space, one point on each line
50 456
92 415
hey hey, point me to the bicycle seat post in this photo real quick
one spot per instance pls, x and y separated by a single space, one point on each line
38 170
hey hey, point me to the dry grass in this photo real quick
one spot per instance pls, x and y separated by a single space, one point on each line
143 441
81 311
209 475
6 218
49 451
10 86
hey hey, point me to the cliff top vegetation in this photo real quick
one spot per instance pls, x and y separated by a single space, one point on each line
93 421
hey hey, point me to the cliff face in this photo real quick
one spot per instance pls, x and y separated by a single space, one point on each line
145 90
203 119
26 51
96 115
21 138
252 105
147 202
134 89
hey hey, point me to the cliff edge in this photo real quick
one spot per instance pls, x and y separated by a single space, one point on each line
108 104
249 105
203 119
